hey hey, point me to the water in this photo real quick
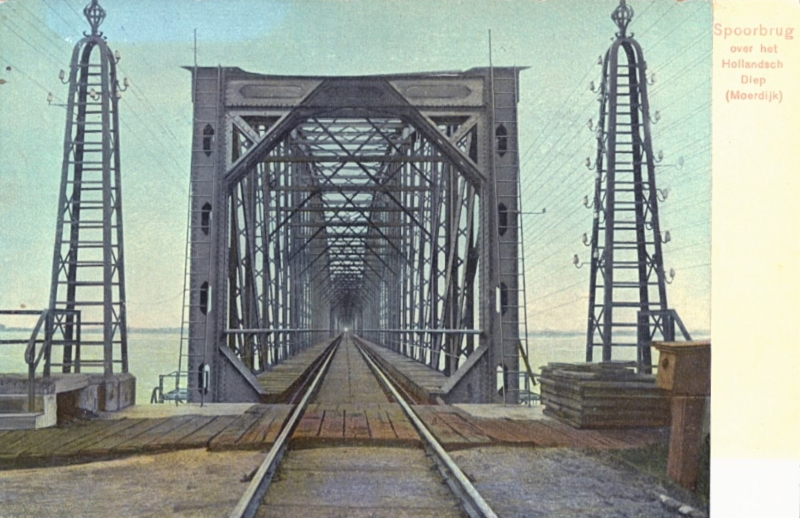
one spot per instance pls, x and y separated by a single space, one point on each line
149 354
543 349
154 353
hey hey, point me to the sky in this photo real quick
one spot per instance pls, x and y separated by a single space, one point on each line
559 40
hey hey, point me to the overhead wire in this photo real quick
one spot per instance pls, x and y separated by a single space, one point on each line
58 62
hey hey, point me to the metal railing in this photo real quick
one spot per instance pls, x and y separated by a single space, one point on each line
177 394
32 358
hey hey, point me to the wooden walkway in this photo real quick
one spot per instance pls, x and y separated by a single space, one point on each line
349 409
385 424
422 382
456 429
255 429
376 424
281 382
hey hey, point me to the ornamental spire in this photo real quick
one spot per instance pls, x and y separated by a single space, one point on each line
622 16
95 15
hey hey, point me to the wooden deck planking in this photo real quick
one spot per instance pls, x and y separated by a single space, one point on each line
502 431
266 429
401 425
228 437
251 430
541 434
51 444
345 423
355 424
104 429
200 437
349 423
440 428
465 428
380 426
172 438
455 429
32 440
309 425
111 443
10 440
143 442
332 425
570 437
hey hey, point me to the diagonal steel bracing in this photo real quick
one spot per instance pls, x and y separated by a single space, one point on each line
323 209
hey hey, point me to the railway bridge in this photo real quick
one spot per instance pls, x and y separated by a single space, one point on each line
354 282
386 205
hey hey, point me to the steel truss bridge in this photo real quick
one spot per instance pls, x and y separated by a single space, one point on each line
387 205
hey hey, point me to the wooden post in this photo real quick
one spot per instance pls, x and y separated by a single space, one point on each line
684 368
685 438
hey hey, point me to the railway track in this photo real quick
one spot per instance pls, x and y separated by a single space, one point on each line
463 492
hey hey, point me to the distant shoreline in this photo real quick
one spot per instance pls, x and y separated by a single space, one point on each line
177 330
94 329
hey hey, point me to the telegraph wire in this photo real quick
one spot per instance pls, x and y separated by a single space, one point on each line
16 68
525 156
35 48
671 7
691 14
569 302
135 90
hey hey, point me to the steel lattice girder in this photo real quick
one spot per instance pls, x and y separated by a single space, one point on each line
321 203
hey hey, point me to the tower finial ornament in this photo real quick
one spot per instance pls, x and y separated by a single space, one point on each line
622 16
95 15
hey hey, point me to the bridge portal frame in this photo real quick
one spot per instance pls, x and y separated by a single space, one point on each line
466 286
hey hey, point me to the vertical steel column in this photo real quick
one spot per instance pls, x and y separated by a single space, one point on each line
505 171
204 229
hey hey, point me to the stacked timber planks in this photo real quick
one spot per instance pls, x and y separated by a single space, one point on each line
603 395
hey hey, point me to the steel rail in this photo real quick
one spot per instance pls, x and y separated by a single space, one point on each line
472 501
251 499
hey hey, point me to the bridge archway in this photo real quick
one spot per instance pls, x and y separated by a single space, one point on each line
367 203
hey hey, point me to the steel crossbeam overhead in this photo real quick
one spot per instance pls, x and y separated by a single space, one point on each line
88 274
627 292
365 203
